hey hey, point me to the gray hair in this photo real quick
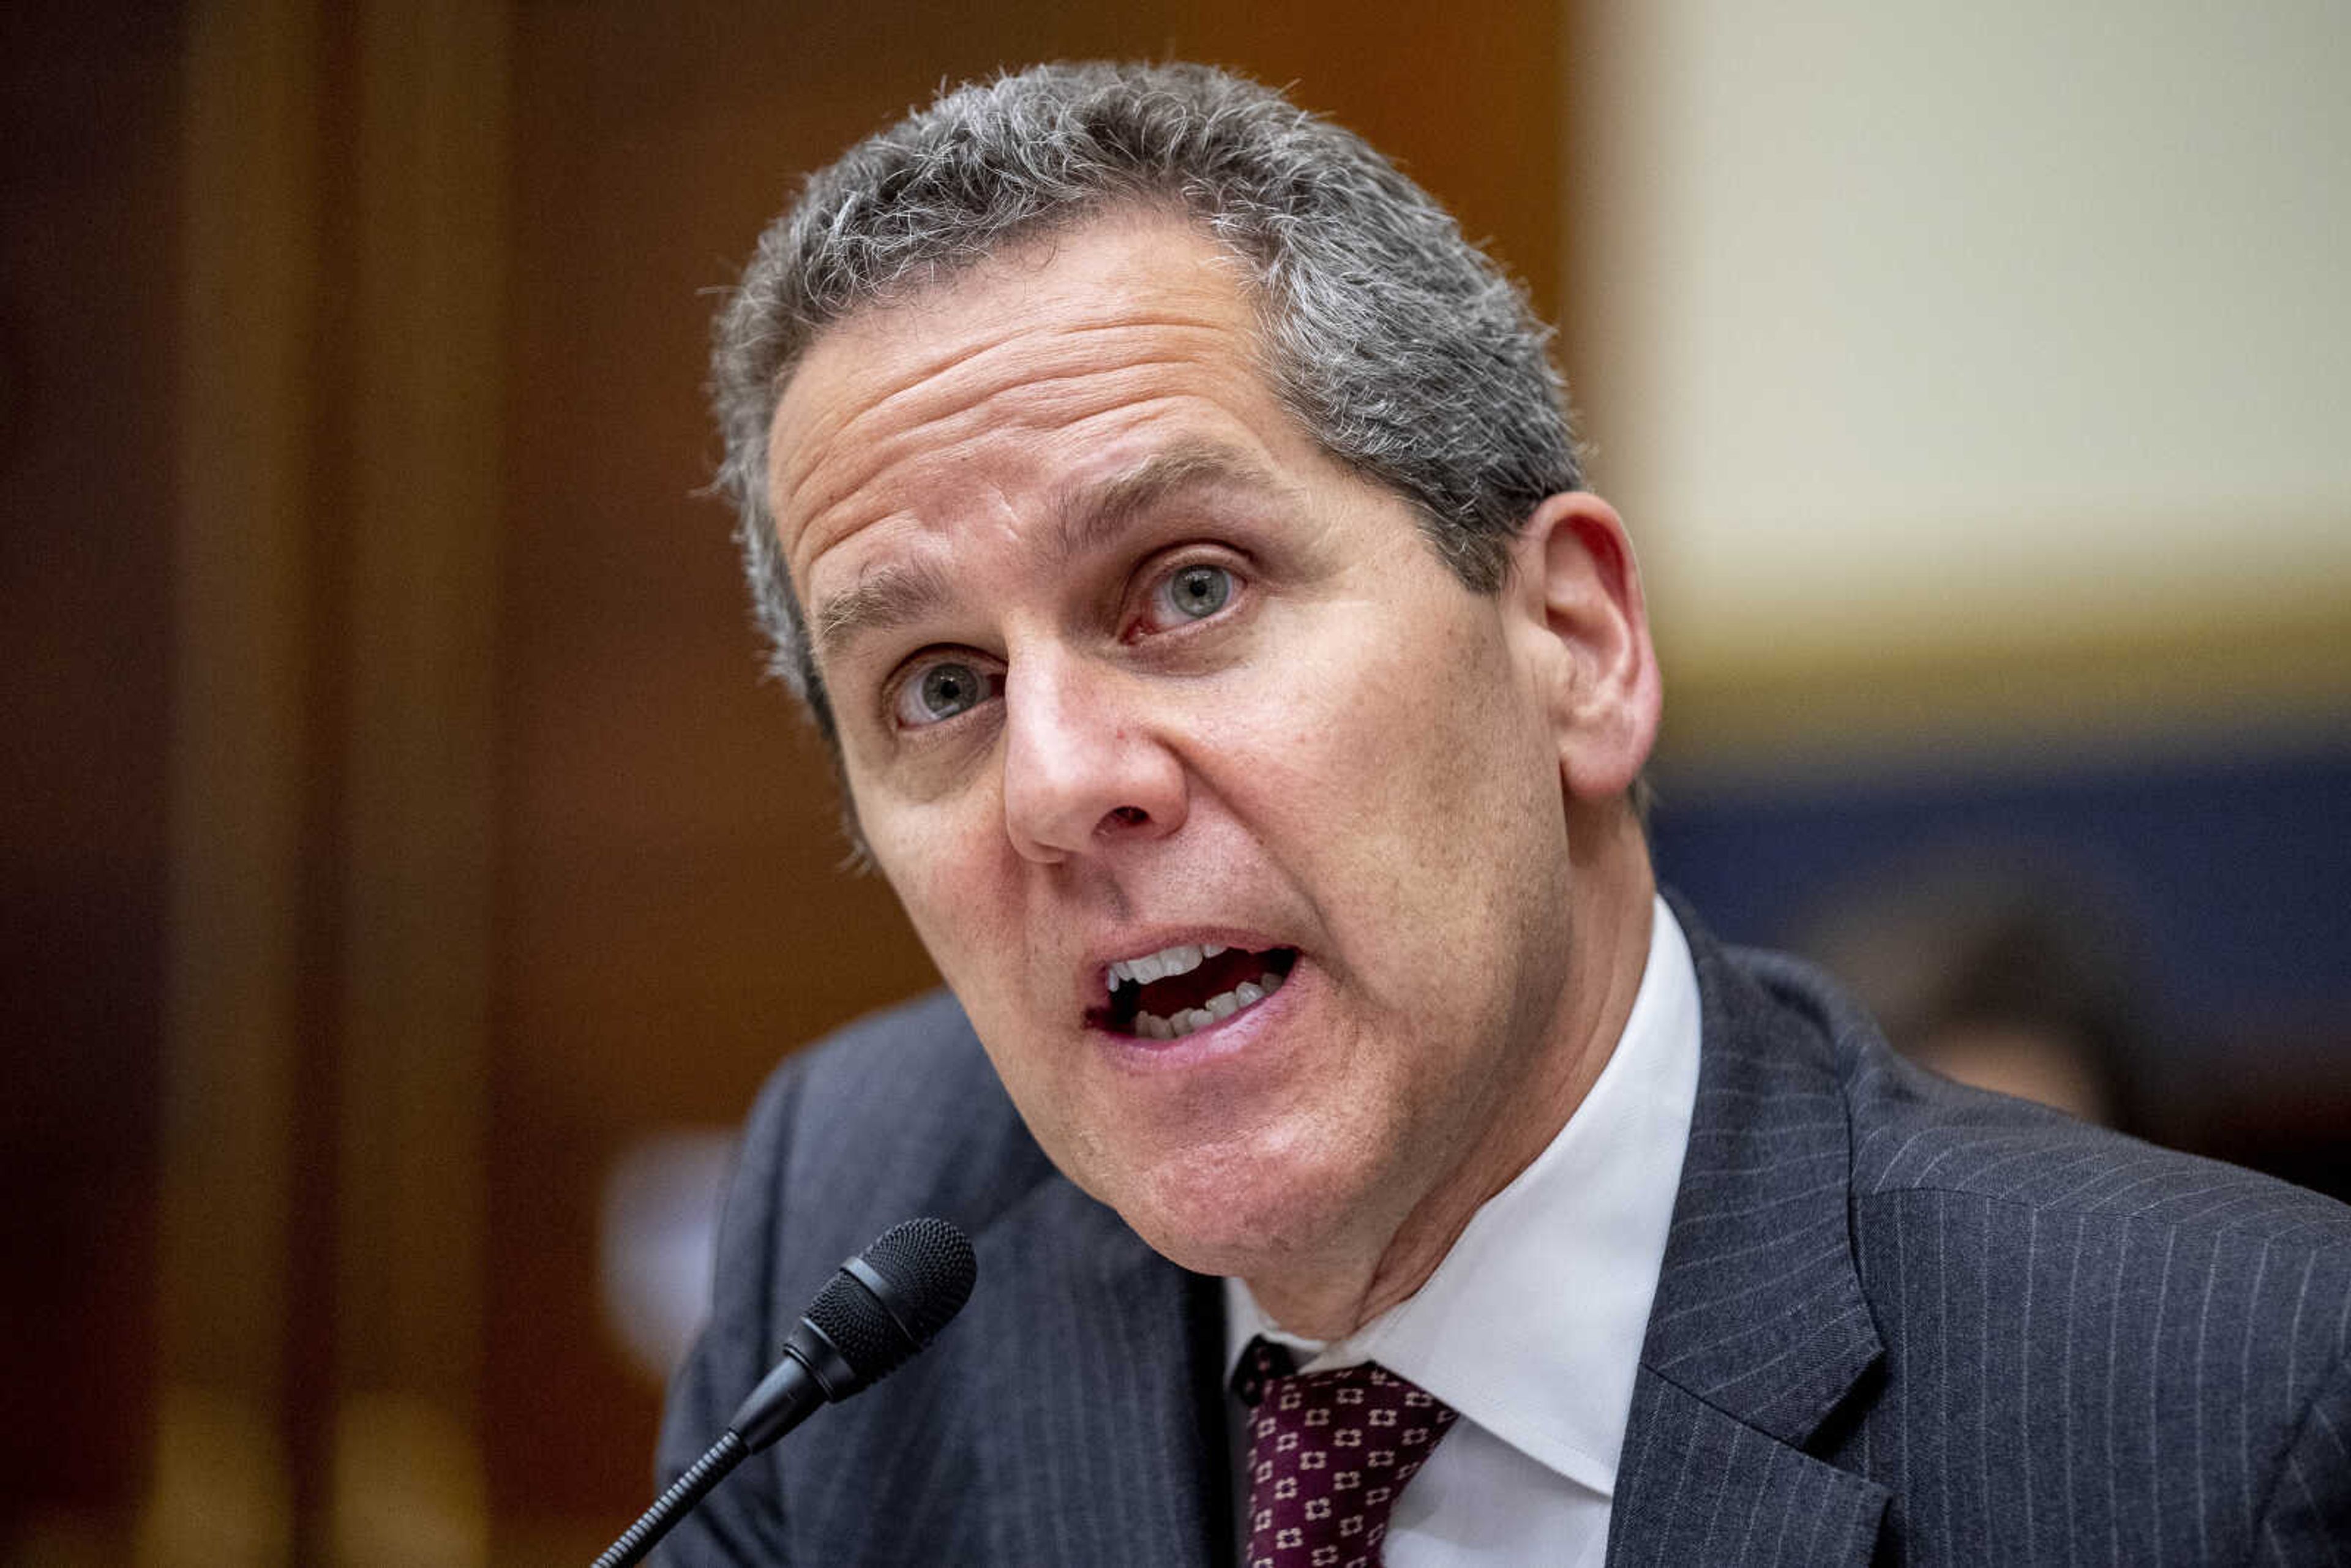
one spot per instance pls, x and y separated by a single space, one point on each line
1401 349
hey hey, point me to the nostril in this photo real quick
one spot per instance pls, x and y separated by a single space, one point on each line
1129 816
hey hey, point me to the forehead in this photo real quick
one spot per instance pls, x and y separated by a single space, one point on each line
1069 355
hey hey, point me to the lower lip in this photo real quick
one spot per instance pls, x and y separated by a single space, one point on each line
1225 1038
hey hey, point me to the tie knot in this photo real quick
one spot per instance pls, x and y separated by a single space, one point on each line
1329 1451
1260 1364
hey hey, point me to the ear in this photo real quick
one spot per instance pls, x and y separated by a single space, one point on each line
1582 631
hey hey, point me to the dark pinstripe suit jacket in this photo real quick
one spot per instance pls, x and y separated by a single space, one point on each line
1898 1323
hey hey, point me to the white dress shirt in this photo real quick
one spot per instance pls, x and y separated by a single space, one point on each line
1531 1326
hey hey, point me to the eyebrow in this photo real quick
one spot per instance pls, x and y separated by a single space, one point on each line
901 593
1094 518
895 595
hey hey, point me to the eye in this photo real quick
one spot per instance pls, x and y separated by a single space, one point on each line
938 691
1191 592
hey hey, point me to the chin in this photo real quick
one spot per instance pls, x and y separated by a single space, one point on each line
1243 1214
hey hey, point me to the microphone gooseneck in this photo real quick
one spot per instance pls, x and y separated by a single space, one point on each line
878 1309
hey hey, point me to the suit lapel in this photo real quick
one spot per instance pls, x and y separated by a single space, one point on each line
1759 1329
1106 1442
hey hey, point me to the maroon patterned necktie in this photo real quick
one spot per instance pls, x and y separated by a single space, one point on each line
1329 1451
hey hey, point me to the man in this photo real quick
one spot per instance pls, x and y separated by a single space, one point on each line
1174 526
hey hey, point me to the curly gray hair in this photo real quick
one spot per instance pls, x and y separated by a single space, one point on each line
1401 349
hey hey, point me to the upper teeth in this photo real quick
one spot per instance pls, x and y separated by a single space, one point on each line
1181 960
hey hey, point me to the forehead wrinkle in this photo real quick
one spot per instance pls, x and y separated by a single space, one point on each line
919 406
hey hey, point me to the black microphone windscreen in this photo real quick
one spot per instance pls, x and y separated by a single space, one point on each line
930 1265
927 1266
846 1313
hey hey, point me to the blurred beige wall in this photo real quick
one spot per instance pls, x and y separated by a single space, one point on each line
1997 355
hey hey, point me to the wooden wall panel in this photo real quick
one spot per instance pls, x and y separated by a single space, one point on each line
89 271
340 395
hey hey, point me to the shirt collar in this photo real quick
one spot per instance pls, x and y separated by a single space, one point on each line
1531 1326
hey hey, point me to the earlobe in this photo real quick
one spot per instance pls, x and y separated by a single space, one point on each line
1575 593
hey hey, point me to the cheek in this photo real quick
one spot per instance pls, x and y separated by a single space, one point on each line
945 871
1386 739
1408 797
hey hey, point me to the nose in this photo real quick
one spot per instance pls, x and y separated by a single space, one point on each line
1083 769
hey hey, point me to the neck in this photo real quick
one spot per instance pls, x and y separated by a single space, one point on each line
1608 940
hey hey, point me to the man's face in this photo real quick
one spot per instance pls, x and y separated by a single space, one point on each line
1126 668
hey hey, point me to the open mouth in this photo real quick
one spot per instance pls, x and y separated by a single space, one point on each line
1168 994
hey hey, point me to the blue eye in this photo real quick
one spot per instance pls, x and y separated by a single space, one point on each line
940 691
1197 592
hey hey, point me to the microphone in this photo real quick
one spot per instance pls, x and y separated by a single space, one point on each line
878 1310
